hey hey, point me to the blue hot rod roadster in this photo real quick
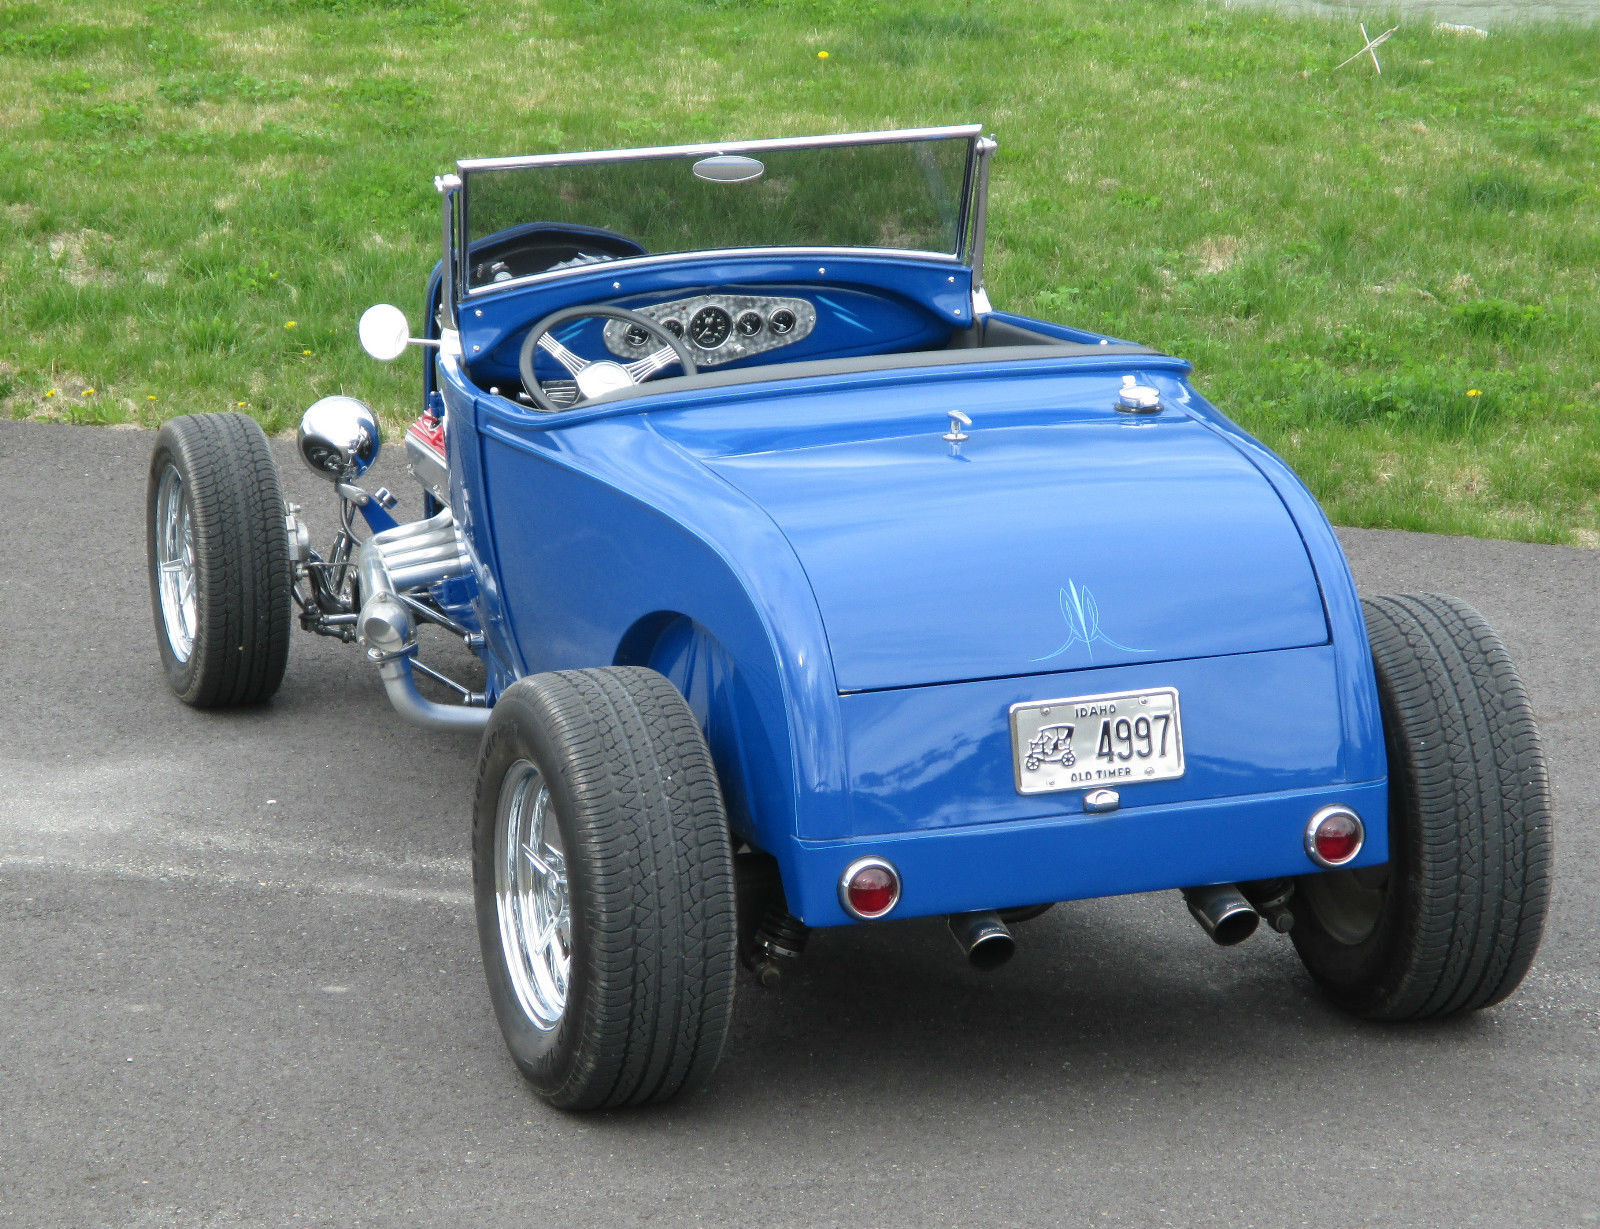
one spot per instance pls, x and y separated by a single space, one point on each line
811 590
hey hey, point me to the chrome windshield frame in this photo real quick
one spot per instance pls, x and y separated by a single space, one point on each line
449 189
968 229
710 149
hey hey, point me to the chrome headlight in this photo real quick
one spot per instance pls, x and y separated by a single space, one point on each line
339 438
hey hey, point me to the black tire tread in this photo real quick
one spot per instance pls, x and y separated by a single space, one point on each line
658 913
1472 860
1485 864
243 579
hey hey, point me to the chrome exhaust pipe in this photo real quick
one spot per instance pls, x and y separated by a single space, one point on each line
413 530
984 939
1223 912
401 686
419 571
410 556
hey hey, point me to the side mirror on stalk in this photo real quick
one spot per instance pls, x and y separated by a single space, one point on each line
384 331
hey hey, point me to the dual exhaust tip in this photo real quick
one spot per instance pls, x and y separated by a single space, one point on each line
1230 912
1223 911
983 937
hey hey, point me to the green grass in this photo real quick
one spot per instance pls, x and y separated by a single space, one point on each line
1394 280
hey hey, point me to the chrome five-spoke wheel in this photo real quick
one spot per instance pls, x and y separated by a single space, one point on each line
531 898
175 562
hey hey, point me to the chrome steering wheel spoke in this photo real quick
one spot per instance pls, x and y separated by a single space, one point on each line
574 363
643 368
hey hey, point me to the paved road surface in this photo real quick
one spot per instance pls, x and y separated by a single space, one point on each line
239 979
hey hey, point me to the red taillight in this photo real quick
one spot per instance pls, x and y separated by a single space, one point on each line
1334 836
869 888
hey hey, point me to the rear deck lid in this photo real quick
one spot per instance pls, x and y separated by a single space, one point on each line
1044 547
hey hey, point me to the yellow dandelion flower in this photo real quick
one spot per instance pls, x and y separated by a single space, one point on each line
307 353
51 393
288 324
150 397
88 392
822 55
241 405
1472 392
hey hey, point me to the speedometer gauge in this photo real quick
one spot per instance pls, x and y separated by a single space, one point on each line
710 327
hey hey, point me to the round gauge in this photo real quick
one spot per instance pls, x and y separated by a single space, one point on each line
675 327
782 321
710 327
636 336
748 324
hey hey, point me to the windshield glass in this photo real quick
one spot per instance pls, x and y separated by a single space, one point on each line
906 193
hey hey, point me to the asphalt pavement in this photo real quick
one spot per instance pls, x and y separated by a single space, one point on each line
239 980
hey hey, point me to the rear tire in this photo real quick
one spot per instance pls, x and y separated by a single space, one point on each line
1452 922
610 951
218 560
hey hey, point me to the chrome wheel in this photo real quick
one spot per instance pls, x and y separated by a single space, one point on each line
531 898
175 562
1348 903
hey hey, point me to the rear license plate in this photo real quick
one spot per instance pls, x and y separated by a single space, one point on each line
1088 741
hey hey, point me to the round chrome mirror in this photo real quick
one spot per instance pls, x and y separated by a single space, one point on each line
384 331
728 168
339 438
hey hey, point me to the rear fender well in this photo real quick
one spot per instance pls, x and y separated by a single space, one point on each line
745 749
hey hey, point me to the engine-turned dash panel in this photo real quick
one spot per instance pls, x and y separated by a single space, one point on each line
719 328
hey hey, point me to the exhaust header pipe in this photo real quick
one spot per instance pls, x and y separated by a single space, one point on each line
984 939
1223 912
409 557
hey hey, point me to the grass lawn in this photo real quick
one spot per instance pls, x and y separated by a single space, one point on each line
1394 280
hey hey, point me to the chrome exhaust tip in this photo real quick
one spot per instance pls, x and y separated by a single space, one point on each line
1223 912
984 939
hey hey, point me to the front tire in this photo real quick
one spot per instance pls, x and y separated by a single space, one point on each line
604 888
1452 922
218 560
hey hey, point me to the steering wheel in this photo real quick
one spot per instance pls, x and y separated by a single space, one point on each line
596 377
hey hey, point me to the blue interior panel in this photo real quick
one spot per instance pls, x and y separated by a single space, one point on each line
864 306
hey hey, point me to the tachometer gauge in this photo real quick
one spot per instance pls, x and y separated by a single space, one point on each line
710 327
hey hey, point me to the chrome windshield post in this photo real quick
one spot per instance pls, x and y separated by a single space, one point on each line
449 189
984 148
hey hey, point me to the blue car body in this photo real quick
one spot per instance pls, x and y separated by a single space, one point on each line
809 589
851 603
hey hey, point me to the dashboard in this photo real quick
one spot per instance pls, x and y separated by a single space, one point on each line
734 312
719 328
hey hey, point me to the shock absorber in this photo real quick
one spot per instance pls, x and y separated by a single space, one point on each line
775 949
1271 900
771 938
